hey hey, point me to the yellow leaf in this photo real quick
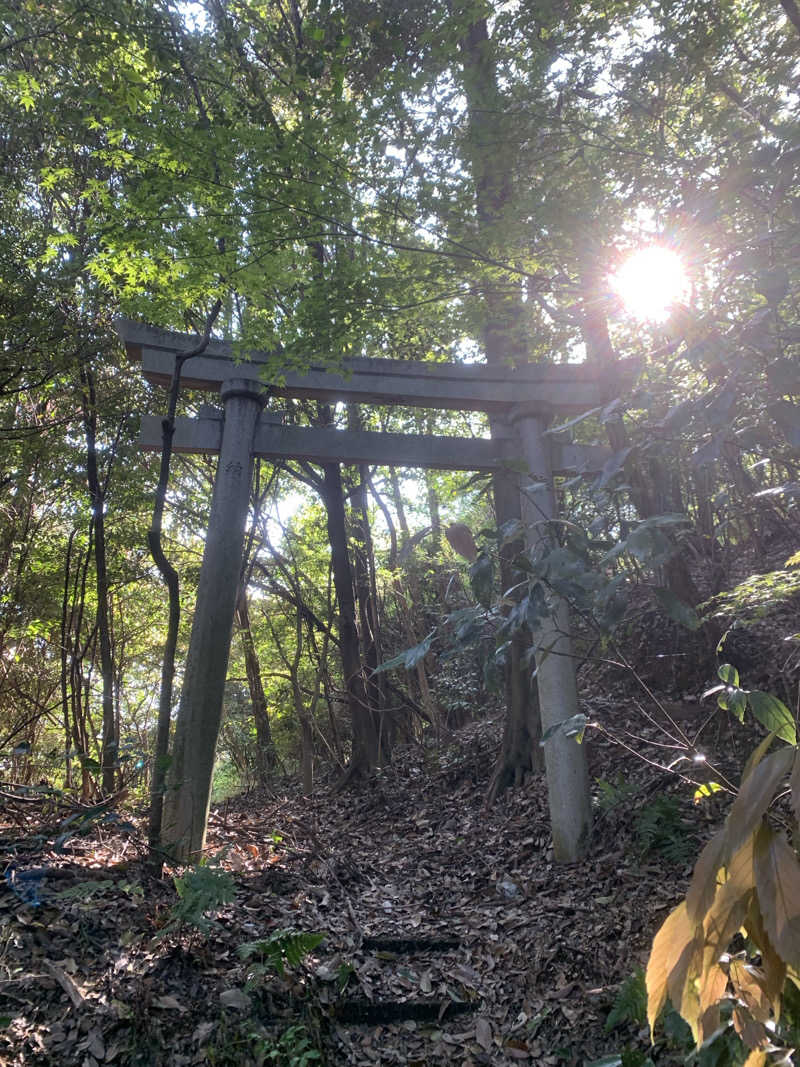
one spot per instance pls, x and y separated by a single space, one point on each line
727 912
772 966
755 797
673 948
703 886
712 989
757 1058
778 885
659 962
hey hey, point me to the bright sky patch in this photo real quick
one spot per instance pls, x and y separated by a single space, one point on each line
650 282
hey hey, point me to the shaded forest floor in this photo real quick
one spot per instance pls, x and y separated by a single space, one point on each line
450 935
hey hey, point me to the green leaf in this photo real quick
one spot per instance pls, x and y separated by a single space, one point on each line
773 713
630 1003
418 652
733 700
409 657
282 948
574 726
613 465
728 673
647 542
510 531
677 609
706 790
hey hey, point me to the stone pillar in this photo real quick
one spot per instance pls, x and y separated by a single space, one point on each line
200 713
565 760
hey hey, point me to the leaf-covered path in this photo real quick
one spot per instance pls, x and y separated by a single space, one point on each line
451 937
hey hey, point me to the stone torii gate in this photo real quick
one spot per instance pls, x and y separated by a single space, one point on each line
526 397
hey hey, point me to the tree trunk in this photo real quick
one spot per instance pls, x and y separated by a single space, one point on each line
366 596
502 340
306 740
266 756
65 670
110 749
365 740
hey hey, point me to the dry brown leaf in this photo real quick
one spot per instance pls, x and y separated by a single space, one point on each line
169 1003
483 1033
750 1030
462 541
756 756
755 796
235 998
778 886
748 986
683 984
69 986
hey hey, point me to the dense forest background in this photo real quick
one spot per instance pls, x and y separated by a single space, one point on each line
440 181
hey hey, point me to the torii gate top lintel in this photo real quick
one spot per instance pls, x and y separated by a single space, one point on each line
568 388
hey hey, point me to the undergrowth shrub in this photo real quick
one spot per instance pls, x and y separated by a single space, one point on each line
659 827
630 1004
283 948
201 889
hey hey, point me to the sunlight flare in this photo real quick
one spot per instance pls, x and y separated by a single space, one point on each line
651 282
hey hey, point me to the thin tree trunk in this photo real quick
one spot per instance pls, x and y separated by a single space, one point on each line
366 595
266 756
110 749
64 654
365 739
